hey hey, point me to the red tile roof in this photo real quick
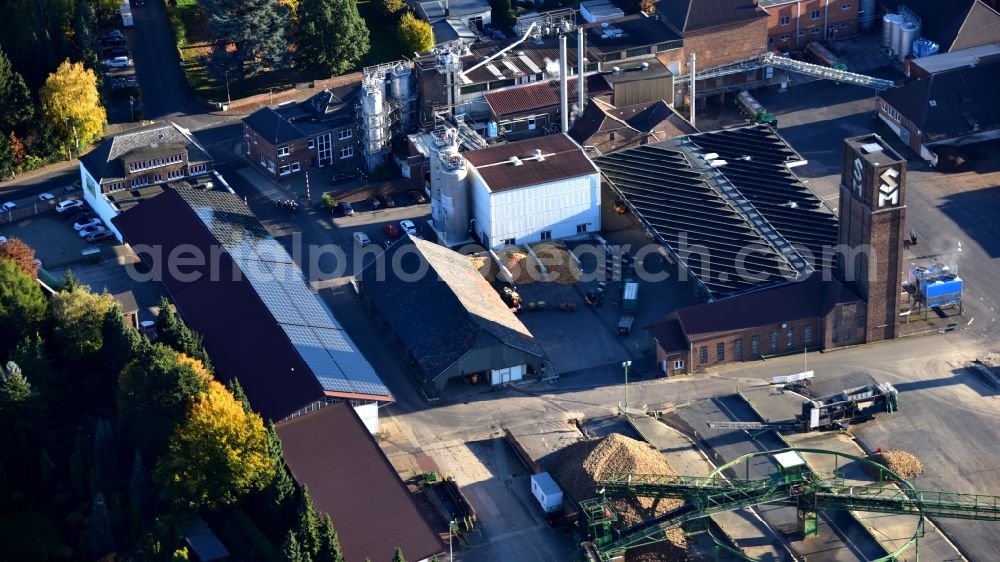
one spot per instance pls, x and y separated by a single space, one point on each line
561 159
351 480
539 95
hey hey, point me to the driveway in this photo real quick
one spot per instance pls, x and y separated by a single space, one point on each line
165 92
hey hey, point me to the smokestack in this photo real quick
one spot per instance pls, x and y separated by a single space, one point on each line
563 84
692 88
580 69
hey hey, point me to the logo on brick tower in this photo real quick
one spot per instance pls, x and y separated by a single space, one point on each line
858 177
888 189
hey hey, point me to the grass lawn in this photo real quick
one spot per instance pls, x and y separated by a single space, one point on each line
27 536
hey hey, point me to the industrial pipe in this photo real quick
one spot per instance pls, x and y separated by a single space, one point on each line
563 84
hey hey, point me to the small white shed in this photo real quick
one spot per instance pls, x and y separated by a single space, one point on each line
547 492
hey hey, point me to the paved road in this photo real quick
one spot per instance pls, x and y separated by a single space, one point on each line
52 181
165 92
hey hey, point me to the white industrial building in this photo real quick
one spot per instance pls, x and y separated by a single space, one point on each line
543 188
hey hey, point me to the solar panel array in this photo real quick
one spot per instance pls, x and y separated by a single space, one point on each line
755 163
677 204
316 335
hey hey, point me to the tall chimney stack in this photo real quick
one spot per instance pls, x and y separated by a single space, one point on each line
563 84
693 74
580 70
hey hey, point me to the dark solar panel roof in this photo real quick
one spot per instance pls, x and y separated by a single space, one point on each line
259 320
351 480
756 159
677 203
683 210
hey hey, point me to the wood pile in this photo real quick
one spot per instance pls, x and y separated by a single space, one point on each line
579 466
903 463
522 267
485 266
558 261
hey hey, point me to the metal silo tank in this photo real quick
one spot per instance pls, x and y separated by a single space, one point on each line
400 86
895 25
451 215
887 31
371 109
908 33
867 9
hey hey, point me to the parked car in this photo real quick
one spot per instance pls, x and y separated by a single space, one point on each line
9 206
69 204
91 230
77 215
417 196
374 202
408 227
138 3
86 223
113 34
392 231
46 197
75 186
118 62
345 209
362 239
387 200
99 236
341 177
3 239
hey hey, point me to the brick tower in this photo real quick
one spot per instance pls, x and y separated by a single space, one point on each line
872 219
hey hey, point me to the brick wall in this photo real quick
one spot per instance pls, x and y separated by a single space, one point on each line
791 26
670 358
248 105
721 46
729 342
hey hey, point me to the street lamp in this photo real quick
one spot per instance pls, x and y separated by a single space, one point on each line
451 532
229 101
626 365
131 106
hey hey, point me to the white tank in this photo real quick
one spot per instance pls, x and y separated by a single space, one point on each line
400 85
867 14
887 31
908 33
371 109
450 196
895 25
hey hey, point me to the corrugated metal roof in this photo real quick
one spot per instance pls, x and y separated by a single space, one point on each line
351 480
540 95
562 159
694 15
957 59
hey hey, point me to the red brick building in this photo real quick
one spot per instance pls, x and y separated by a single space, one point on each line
810 314
604 128
295 137
793 24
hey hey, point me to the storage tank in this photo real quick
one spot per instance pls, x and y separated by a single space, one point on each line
887 31
492 130
371 110
400 82
450 197
908 33
894 25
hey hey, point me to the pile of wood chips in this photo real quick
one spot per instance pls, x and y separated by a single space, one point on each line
522 267
485 266
903 463
558 261
579 466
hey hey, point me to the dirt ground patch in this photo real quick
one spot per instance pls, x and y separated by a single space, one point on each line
523 268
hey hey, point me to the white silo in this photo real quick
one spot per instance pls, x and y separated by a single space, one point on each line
449 191
373 115
895 25
887 31
400 85
908 33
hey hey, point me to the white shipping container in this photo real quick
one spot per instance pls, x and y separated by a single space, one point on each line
547 492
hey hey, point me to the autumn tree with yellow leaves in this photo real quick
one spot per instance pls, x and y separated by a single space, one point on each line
218 454
71 104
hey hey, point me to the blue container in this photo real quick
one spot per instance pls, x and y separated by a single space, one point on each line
491 129
942 287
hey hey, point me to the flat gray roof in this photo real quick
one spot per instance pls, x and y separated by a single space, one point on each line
957 59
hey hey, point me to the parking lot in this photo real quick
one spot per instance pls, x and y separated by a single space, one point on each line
53 238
